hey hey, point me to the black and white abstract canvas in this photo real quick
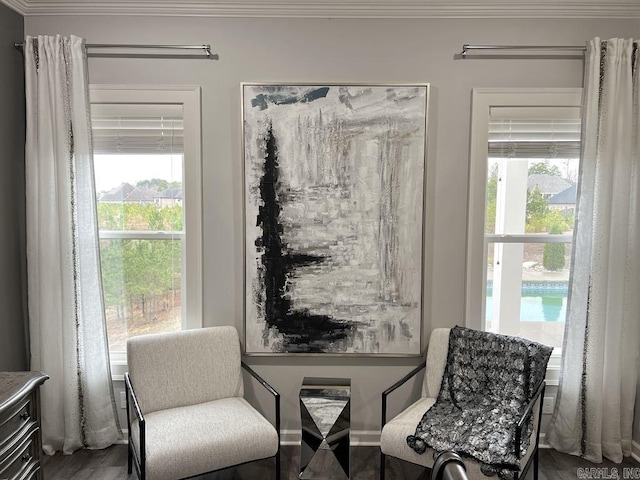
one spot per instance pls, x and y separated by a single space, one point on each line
333 198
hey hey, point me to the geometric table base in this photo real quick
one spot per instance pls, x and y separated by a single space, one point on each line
325 407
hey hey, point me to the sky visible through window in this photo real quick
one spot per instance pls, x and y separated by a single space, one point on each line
113 170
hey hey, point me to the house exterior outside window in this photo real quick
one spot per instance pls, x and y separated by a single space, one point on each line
525 151
147 164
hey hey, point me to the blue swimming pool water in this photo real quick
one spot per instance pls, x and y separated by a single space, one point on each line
540 301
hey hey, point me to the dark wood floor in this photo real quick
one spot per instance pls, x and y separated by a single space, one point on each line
111 464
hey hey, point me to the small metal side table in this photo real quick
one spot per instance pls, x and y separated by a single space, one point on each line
325 414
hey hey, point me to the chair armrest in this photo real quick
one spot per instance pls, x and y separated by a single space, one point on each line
529 410
131 394
271 390
394 387
260 380
525 416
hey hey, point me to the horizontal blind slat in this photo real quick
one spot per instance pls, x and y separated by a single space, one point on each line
137 135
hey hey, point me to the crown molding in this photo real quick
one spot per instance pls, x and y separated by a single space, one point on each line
19 6
629 9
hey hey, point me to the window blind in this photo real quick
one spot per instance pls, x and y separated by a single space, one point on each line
137 129
556 134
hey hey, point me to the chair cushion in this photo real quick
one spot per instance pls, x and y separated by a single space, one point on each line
393 440
191 440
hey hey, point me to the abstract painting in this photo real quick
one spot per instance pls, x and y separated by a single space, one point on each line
333 216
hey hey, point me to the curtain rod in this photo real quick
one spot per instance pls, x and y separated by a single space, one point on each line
563 48
206 48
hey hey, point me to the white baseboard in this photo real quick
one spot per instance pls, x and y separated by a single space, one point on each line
365 438
543 441
124 440
359 438
290 437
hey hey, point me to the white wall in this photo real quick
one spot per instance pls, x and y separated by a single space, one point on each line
358 51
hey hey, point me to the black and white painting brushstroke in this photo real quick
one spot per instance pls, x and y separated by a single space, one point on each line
334 189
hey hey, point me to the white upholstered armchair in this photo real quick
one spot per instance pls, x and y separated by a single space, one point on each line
401 434
186 413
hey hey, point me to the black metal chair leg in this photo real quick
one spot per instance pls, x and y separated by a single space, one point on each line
382 465
535 465
278 464
129 460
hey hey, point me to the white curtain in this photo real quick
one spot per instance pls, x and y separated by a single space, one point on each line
66 315
594 411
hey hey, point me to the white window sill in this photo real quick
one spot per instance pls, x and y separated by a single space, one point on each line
118 366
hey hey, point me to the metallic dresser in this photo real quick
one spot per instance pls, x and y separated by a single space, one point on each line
20 436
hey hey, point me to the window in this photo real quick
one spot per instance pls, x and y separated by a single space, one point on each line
147 174
525 149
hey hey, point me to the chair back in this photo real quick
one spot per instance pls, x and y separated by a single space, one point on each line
436 361
183 368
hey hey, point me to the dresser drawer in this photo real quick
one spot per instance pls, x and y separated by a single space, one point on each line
31 472
20 438
20 459
14 420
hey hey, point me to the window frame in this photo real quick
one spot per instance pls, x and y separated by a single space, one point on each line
192 281
483 99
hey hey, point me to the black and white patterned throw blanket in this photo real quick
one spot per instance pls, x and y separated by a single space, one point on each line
488 381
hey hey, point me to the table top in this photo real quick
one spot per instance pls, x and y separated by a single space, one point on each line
325 387
15 385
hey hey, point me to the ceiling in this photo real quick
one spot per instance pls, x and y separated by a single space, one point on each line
629 9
